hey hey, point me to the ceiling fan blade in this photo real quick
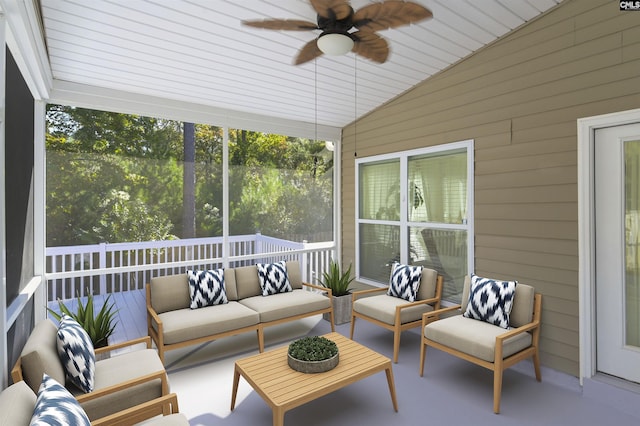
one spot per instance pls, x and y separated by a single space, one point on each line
389 14
308 52
335 9
371 46
282 24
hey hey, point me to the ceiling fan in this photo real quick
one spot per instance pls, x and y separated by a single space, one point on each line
344 29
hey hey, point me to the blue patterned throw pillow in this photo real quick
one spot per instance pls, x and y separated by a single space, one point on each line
490 300
273 278
55 406
76 353
405 281
206 288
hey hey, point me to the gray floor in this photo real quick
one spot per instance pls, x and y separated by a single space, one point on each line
452 391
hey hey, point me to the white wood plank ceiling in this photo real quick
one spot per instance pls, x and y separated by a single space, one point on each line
198 51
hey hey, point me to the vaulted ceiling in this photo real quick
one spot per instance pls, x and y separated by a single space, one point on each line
198 51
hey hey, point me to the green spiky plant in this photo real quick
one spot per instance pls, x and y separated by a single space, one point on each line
337 281
99 326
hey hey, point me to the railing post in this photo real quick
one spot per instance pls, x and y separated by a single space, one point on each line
258 245
305 265
102 263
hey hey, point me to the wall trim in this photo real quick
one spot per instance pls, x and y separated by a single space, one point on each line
586 233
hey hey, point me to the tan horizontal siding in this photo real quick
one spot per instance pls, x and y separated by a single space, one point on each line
519 100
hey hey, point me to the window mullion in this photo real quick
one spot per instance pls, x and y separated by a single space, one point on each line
404 213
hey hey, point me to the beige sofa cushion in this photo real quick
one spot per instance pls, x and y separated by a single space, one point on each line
40 355
294 273
284 305
170 292
427 288
188 324
16 405
230 284
473 337
116 370
383 308
247 282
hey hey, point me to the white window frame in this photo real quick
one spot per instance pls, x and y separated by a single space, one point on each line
404 223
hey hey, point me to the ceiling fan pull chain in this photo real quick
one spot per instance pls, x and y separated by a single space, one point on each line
355 97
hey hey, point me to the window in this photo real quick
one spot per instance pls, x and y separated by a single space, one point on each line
415 207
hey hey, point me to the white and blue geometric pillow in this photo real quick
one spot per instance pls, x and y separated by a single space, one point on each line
206 288
273 278
405 281
490 300
55 406
76 353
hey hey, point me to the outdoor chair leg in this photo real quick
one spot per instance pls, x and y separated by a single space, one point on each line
353 324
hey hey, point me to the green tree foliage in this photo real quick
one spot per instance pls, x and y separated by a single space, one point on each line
118 177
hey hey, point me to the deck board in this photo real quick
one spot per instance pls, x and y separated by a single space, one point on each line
131 321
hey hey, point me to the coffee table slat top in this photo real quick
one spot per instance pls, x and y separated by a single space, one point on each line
270 375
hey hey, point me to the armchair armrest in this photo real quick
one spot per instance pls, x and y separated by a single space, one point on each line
514 332
418 303
359 293
162 375
319 287
16 371
153 315
164 405
428 317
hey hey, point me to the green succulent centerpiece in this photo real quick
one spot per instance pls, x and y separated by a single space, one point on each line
313 354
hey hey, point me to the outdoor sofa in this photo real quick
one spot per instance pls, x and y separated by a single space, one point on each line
173 322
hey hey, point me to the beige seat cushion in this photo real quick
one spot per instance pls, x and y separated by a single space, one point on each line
383 308
188 324
40 355
170 420
119 369
16 405
284 305
474 337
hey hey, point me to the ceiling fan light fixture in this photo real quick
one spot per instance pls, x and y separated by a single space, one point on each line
335 44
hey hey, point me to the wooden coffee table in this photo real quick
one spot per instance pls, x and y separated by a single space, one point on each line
284 388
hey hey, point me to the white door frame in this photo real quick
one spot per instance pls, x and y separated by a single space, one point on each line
586 232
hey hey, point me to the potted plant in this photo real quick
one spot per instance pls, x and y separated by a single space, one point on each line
339 283
99 326
314 354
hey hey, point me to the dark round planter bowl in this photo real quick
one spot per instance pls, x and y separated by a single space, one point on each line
313 366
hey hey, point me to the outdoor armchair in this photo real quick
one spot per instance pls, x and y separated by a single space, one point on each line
395 313
484 343
120 381
18 403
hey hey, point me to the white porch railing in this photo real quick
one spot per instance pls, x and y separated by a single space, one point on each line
109 268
